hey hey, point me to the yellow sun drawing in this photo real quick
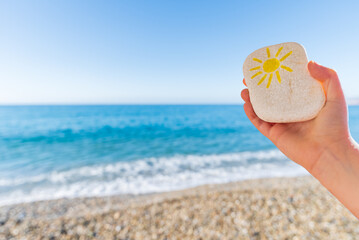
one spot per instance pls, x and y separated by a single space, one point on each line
270 66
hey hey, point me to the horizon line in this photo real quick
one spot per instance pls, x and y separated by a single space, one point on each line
111 104
130 104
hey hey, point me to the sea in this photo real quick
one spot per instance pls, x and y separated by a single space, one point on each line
51 152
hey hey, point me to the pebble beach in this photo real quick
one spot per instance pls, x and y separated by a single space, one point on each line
275 208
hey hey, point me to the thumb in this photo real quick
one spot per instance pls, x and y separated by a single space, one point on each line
329 79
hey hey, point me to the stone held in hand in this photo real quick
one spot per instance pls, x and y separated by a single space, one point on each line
280 86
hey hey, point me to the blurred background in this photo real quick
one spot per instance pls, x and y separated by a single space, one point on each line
136 97
79 81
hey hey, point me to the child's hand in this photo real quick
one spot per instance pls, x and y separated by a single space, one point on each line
322 145
304 142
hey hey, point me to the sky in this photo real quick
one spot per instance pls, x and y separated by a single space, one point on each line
161 52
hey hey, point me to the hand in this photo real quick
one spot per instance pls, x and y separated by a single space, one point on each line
304 142
322 145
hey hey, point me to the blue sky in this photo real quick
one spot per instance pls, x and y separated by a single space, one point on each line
108 52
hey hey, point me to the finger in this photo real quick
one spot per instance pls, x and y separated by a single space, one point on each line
244 82
262 126
245 95
329 79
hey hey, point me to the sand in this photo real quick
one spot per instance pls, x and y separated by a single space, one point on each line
278 208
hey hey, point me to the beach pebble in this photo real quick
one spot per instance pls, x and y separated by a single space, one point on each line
294 208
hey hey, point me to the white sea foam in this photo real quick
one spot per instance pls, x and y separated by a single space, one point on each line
148 176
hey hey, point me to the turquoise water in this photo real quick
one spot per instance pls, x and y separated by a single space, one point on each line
69 151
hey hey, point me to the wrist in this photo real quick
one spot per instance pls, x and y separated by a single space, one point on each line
337 169
333 157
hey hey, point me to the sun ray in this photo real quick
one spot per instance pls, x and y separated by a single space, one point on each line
280 49
257 60
286 68
269 80
285 56
256 68
268 52
255 75
278 75
262 79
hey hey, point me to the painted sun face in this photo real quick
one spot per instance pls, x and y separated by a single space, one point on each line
270 66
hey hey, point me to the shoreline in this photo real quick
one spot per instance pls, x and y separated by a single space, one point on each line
250 209
259 183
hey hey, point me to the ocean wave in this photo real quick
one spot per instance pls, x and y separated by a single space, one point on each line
148 175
